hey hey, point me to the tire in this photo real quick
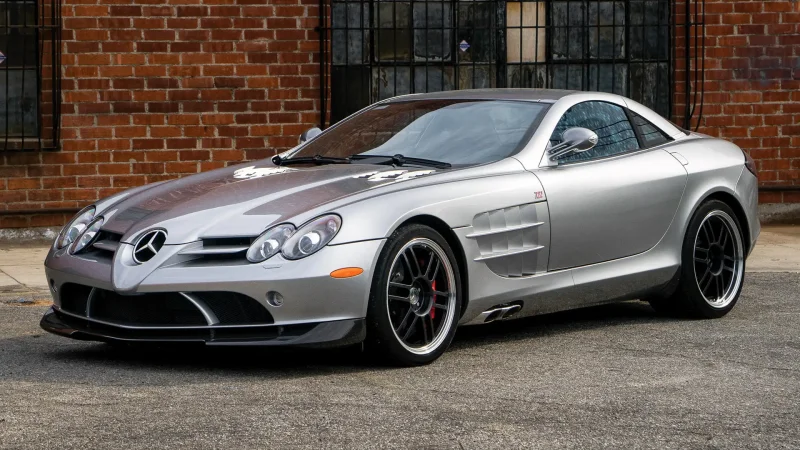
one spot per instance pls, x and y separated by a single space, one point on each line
712 265
412 319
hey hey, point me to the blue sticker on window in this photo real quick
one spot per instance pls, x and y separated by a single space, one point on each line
464 46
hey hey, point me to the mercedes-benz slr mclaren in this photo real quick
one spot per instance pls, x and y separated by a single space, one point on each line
415 216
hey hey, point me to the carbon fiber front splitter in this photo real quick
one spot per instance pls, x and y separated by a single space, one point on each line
321 334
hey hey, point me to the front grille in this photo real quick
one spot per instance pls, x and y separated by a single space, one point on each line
148 309
161 309
232 308
74 297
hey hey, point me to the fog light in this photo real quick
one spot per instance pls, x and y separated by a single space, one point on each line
274 298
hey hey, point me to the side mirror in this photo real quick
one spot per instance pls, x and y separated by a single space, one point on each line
573 140
309 134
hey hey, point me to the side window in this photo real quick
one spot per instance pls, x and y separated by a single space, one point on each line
651 134
614 132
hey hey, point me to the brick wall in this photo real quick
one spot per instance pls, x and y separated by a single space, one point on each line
156 89
752 87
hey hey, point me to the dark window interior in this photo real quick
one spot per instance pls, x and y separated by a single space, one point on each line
651 135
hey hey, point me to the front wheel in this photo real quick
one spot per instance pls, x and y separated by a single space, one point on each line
712 265
415 298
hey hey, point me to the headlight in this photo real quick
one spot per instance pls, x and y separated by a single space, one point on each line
87 237
311 237
269 243
75 227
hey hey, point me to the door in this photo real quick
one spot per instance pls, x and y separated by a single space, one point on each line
613 201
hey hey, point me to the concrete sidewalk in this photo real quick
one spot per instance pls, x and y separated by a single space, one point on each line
22 273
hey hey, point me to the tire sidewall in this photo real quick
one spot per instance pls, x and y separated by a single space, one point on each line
380 333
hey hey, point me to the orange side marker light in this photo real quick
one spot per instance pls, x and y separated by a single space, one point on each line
347 272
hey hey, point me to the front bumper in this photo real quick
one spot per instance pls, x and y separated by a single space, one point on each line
319 334
310 294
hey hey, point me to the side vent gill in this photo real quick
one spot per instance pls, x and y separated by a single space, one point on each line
509 241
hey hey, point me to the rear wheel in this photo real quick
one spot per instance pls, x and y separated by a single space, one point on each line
415 298
712 265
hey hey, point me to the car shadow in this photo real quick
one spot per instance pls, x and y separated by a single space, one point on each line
38 359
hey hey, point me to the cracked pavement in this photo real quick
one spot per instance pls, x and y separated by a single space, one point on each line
610 376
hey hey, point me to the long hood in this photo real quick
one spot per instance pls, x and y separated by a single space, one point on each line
244 199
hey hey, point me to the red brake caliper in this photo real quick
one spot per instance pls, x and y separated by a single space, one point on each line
433 310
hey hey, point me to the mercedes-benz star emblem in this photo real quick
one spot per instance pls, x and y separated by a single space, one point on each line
148 245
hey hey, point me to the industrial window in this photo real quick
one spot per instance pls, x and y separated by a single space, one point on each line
383 48
29 75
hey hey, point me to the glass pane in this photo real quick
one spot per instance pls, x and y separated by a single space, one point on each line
477 77
614 131
567 76
525 32
568 30
350 36
433 23
475 29
390 81
611 78
433 79
20 112
527 76
651 135
650 85
393 20
607 30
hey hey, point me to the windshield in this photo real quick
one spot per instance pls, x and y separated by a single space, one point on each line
452 131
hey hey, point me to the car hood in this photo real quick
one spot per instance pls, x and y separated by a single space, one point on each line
243 200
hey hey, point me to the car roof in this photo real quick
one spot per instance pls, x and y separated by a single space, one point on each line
546 95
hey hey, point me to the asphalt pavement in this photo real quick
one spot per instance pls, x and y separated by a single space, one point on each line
614 376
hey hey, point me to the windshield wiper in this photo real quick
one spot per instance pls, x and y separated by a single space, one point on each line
400 160
316 159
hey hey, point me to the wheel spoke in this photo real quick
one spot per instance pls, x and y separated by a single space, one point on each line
440 293
399 285
723 240
708 232
705 280
400 299
434 264
418 271
425 334
430 324
408 315
720 287
440 306
411 327
700 260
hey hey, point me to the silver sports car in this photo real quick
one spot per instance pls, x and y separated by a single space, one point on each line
414 216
